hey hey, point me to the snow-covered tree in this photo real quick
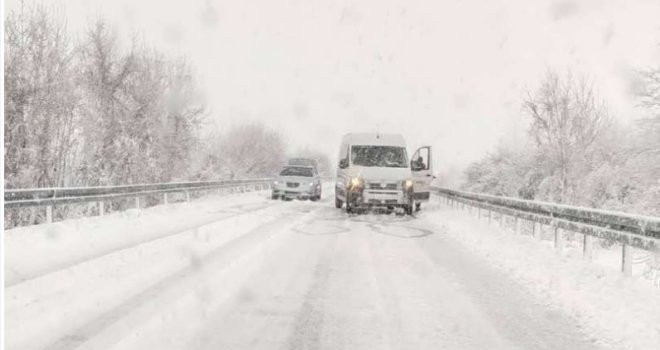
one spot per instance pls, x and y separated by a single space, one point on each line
567 117
41 98
504 172
244 150
142 113
575 156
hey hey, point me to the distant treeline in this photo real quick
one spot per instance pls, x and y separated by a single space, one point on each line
577 153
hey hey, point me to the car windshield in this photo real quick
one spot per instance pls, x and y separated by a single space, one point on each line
302 161
379 156
297 171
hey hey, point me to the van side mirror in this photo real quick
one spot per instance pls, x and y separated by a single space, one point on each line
343 163
416 166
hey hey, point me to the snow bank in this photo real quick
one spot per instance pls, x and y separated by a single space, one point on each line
617 311
32 251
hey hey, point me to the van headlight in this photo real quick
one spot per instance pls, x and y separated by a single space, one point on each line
355 183
407 184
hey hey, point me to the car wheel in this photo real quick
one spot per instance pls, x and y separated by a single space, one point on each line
338 203
274 196
418 206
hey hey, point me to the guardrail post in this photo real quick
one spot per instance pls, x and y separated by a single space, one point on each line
101 205
478 213
49 214
137 202
536 229
187 196
559 238
626 259
501 220
489 211
165 199
517 225
587 244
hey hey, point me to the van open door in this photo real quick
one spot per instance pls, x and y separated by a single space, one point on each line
422 169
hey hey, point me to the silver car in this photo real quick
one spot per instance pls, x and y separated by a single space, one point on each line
302 182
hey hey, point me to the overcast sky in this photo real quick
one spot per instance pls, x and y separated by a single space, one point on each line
446 73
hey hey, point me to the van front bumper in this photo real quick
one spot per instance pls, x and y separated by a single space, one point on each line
378 198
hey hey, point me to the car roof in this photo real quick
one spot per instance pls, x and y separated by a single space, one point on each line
374 139
302 159
298 166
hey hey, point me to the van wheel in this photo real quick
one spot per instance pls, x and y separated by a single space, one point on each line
274 196
338 203
418 206
349 208
410 207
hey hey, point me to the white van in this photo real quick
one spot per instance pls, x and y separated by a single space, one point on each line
374 171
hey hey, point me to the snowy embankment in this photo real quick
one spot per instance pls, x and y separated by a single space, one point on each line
618 312
32 251
62 277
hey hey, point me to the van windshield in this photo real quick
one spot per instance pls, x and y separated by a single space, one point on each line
379 156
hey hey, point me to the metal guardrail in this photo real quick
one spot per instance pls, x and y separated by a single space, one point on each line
627 229
50 197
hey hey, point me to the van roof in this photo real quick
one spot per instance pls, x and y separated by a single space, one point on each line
374 139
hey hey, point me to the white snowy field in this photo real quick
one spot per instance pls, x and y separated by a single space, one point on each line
246 272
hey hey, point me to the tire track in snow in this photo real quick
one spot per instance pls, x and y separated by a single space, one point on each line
149 301
306 331
263 312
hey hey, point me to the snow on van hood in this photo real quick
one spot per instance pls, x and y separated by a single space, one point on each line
380 173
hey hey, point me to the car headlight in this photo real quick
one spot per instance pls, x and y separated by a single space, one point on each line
275 182
311 183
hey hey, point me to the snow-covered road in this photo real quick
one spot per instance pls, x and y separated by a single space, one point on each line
245 272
